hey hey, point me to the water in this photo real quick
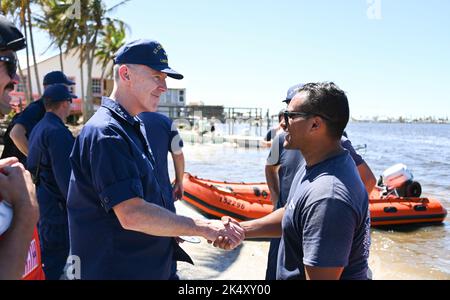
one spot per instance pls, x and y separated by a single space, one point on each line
411 252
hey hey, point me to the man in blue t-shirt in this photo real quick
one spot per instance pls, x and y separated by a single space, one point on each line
32 114
325 224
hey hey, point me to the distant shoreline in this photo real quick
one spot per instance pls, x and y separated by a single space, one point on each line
402 122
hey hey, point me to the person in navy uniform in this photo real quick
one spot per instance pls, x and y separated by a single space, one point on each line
16 186
120 222
32 114
48 161
163 137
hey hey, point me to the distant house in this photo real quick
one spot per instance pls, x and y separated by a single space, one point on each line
174 97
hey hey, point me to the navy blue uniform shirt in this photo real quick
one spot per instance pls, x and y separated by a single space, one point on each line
111 163
50 145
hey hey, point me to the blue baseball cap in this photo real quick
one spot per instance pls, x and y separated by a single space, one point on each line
292 91
58 92
146 52
57 77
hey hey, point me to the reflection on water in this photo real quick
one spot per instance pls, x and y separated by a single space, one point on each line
411 252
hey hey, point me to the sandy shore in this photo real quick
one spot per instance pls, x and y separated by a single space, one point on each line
246 262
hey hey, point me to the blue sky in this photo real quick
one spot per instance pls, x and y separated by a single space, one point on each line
391 61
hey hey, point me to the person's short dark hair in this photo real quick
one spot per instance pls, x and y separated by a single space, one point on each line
327 100
50 104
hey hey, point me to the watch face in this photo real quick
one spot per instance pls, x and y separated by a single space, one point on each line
190 239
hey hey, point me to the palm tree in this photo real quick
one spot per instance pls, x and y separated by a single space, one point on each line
112 38
21 12
81 33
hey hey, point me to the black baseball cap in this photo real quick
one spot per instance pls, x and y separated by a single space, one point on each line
57 77
10 37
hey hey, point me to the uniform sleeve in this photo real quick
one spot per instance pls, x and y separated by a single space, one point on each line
60 146
175 141
356 157
328 228
114 171
276 149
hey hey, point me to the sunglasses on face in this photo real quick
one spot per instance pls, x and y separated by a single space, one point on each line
290 114
11 65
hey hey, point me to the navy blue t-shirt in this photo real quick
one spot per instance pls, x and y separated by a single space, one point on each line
111 163
162 139
326 221
31 115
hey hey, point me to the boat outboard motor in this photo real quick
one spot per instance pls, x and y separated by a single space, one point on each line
399 179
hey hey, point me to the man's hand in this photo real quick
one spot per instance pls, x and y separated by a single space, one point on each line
16 186
224 242
177 191
229 233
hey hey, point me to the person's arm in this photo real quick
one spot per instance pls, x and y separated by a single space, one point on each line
17 187
366 174
272 166
178 164
367 177
317 273
138 215
18 136
273 183
267 226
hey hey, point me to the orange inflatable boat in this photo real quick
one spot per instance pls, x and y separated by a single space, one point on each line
217 199
246 201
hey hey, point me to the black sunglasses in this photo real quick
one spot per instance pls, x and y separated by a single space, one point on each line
289 114
11 65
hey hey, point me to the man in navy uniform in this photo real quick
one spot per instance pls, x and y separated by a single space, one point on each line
48 161
120 223
32 114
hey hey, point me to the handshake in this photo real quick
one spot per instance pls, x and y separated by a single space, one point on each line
225 234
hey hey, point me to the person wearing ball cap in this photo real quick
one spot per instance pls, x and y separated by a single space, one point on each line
23 124
48 161
19 242
120 222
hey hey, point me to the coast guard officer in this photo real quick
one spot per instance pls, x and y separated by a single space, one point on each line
48 161
119 222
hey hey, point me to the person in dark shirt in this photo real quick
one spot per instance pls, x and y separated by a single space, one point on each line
33 113
325 224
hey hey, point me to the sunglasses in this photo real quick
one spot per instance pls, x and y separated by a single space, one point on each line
290 114
11 65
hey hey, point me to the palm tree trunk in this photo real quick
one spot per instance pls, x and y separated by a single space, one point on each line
30 87
27 96
30 27
61 58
